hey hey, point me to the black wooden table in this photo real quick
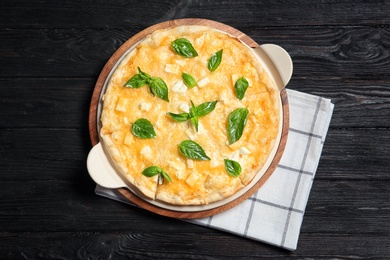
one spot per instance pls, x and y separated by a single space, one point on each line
51 53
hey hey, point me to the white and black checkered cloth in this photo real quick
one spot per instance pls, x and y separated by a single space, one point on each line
275 212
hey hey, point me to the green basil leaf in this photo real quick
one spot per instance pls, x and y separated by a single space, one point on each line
241 86
182 117
136 81
192 150
151 171
195 112
205 108
188 80
236 123
166 176
159 88
214 61
144 75
192 109
233 168
195 121
184 48
143 129
154 170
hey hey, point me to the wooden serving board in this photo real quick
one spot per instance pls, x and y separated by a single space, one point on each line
93 121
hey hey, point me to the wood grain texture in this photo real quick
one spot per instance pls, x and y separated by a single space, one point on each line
247 13
357 52
133 245
70 205
51 54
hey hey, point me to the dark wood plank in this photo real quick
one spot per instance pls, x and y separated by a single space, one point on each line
61 53
332 52
348 207
45 102
355 154
335 207
213 245
99 14
43 154
358 103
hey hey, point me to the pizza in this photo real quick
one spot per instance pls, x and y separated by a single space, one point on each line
189 116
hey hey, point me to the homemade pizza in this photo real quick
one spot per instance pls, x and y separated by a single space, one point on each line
189 116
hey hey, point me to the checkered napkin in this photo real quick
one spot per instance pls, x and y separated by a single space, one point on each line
275 212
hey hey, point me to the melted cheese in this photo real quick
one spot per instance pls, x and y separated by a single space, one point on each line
193 182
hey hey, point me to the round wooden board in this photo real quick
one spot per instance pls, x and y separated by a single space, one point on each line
93 121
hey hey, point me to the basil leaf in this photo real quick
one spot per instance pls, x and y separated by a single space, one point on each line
195 112
214 61
188 80
192 150
144 75
205 108
151 171
192 109
241 86
143 129
233 168
236 123
136 81
182 117
159 88
154 170
193 117
184 48
195 121
166 176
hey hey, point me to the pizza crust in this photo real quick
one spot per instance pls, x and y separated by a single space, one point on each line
193 182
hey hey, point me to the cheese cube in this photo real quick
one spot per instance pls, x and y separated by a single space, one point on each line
244 151
192 179
181 62
177 165
144 106
179 87
121 104
160 180
117 136
146 151
203 82
129 139
200 41
235 156
184 107
190 164
171 68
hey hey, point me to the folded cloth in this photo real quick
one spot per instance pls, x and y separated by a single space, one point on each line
275 212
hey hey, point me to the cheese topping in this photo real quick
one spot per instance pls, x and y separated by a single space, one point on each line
194 181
